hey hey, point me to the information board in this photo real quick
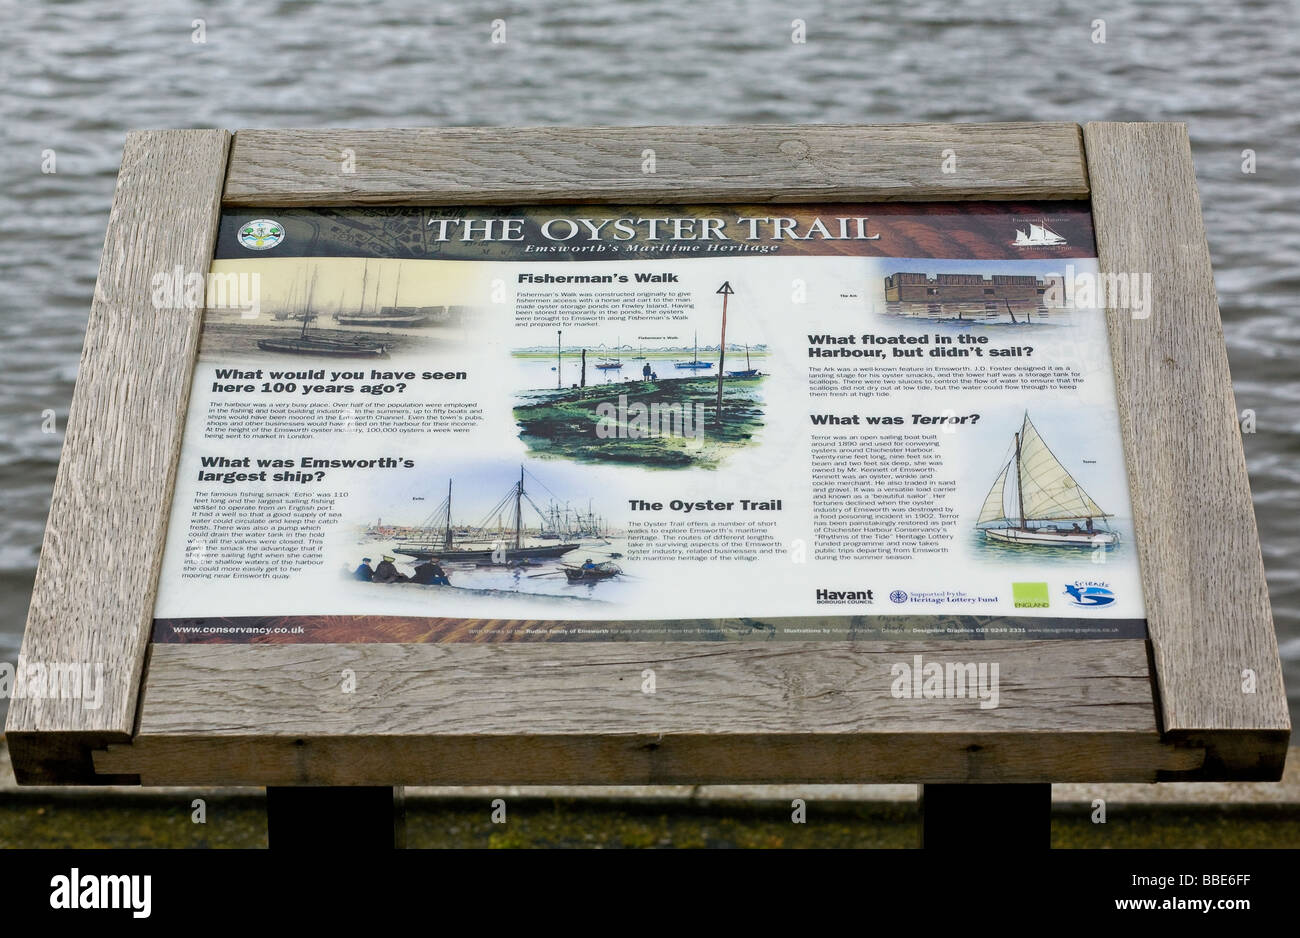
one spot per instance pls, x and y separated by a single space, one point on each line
573 423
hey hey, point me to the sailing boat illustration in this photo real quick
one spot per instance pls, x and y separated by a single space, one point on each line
749 371
1034 494
695 362
437 537
1037 236
612 364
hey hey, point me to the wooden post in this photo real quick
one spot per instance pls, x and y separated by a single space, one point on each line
583 379
1216 664
127 416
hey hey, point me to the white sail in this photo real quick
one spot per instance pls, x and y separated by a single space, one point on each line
1038 235
1047 491
1041 234
993 509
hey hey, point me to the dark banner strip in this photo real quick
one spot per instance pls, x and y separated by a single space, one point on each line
400 629
956 230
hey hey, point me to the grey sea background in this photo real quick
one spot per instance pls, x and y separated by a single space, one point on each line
76 76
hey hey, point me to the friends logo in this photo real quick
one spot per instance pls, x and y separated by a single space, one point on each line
1090 594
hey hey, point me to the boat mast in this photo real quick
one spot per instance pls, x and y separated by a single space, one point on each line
447 536
1020 489
519 508
365 276
306 312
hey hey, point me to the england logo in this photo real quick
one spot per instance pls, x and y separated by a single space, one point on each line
261 234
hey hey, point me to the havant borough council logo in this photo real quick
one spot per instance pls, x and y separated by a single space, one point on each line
261 234
1091 594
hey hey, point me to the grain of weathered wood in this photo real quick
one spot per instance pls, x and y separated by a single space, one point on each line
769 712
511 166
94 592
658 759
1206 598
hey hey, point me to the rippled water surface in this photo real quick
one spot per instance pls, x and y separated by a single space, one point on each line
75 76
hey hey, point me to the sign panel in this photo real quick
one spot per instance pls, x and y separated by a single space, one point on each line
568 423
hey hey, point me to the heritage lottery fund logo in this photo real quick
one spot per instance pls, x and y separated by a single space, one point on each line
261 234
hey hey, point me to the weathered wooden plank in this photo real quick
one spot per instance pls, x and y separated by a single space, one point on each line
511 166
93 598
659 759
577 714
1207 602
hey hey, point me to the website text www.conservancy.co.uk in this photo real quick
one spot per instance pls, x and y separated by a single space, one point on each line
238 629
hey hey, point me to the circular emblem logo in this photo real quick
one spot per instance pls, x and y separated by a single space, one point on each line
898 596
261 234
1094 595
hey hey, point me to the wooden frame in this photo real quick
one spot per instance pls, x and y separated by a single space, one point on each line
1170 708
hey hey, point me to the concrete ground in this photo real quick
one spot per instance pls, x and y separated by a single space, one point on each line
1178 814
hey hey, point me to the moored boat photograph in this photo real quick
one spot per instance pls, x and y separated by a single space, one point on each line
339 308
1036 503
525 539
